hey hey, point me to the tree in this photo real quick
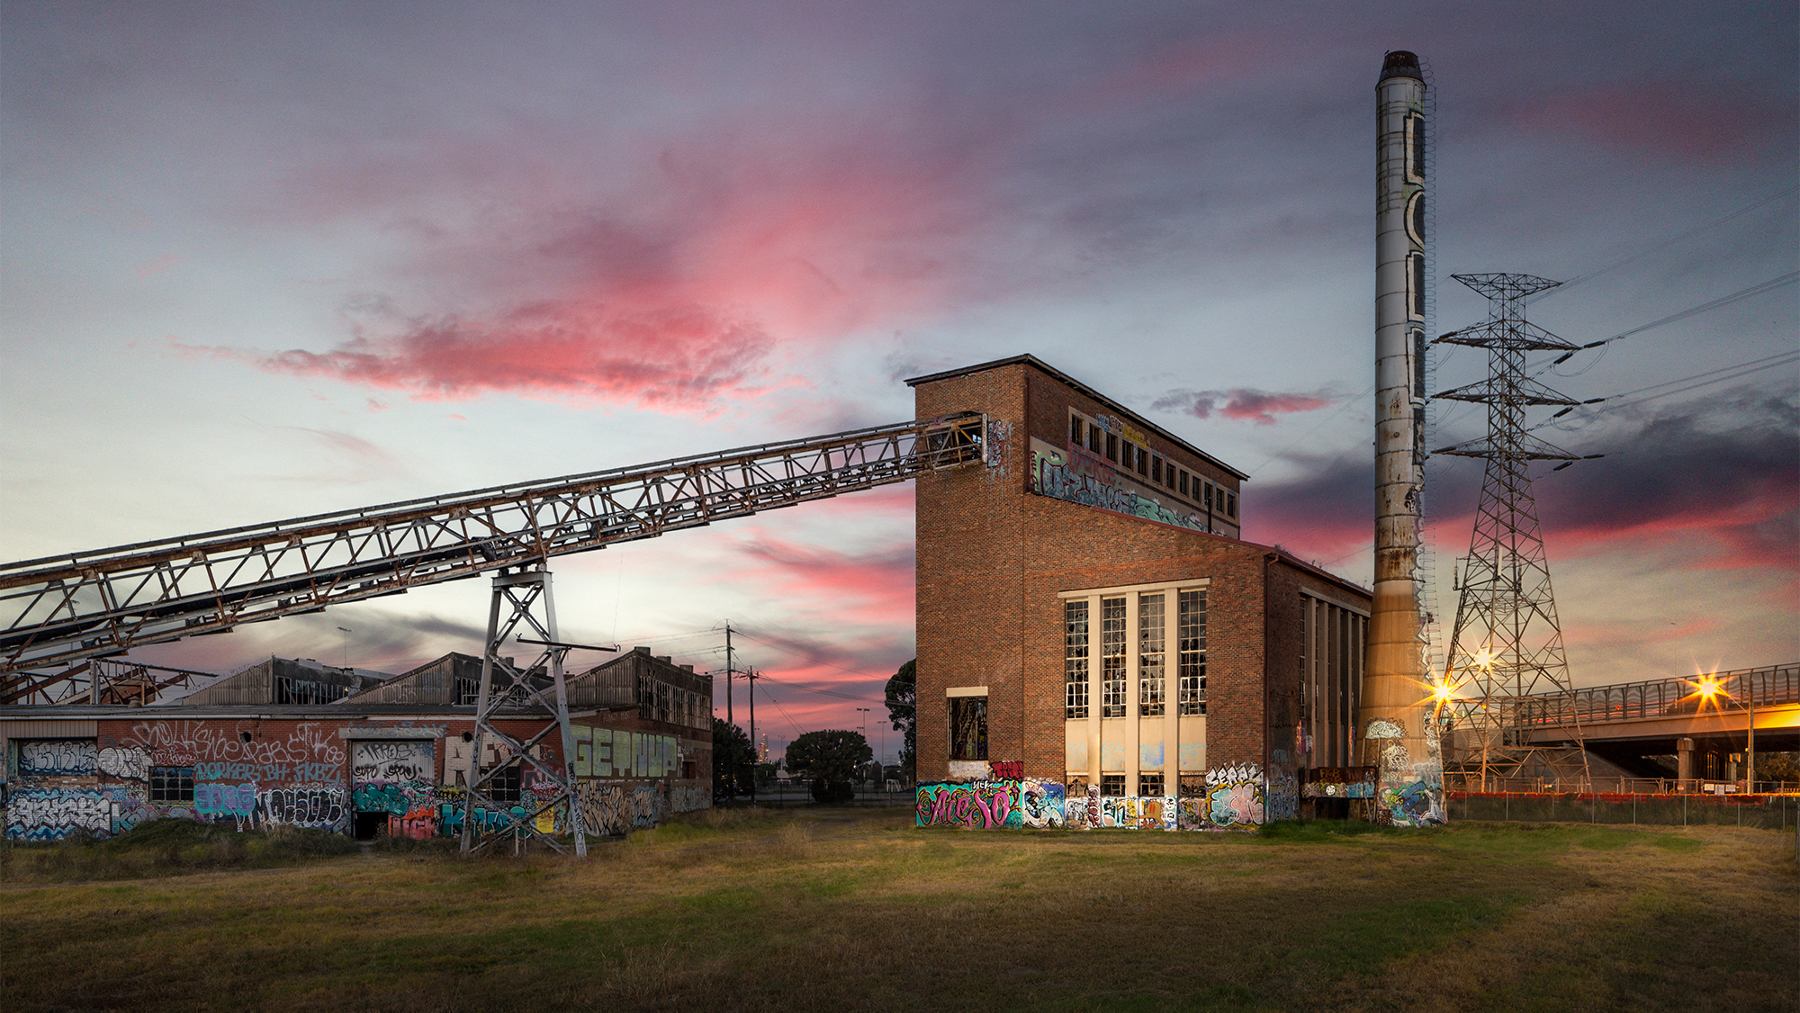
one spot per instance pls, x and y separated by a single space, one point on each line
902 704
732 759
829 759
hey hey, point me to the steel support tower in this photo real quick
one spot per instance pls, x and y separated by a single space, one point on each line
1507 641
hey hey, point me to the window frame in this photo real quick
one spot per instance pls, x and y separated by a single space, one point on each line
958 706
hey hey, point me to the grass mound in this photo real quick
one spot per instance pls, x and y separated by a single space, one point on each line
166 848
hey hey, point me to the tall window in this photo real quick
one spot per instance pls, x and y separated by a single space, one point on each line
1075 430
1075 665
1190 645
968 728
1112 447
1150 654
1112 657
1093 437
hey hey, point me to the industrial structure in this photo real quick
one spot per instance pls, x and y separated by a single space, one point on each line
1096 644
1397 731
292 742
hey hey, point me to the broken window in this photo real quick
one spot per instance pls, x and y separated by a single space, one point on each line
968 728
1150 784
1150 655
1190 644
1075 664
1112 657
172 785
1112 784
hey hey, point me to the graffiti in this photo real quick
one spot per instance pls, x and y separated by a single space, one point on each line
57 757
1382 728
1339 782
54 814
1156 813
125 763
604 752
1192 813
689 796
1041 804
1234 796
648 803
419 823
1060 476
1081 806
129 806
450 818
409 760
213 800
999 432
217 770
605 811
1006 770
183 742
984 805
316 808
1114 814
1284 795
397 799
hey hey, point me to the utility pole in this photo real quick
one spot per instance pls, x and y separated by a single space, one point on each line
865 726
1750 745
751 675
730 674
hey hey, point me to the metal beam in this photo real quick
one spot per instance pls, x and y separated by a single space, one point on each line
59 611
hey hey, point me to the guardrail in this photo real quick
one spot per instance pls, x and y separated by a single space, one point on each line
1675 697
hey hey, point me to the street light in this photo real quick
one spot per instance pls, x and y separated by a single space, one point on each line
865 727
345 630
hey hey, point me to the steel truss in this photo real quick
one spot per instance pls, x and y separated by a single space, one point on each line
1507 641
60 611
516 692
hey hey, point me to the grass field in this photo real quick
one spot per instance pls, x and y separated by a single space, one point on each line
855 909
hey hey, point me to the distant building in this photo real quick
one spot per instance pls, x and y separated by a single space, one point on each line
293 742
1096 644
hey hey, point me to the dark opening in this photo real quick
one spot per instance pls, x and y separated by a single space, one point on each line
368 826
968 728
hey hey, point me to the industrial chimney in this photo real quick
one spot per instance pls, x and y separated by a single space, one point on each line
1397 736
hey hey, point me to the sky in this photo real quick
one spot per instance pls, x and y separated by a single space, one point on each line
260 260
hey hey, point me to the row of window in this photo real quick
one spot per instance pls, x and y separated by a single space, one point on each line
1177 480
1148 784
1154 648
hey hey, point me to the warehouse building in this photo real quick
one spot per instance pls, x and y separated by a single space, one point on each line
1097 646
291 742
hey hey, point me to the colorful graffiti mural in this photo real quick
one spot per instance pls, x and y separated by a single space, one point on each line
1041 804
1062 474
1234 796
54 814
1339 782
983 805
57 758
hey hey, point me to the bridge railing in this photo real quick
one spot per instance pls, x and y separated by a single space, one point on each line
1675 697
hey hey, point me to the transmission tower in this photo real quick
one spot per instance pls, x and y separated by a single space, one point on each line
1507 641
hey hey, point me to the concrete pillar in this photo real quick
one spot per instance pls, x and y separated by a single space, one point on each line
1131 693
1684 759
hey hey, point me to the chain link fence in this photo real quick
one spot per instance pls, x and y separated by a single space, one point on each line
1766 812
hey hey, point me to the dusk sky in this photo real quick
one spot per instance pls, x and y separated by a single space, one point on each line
263 260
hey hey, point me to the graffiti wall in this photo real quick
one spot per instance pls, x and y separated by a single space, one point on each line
1066 475
1234 796
396 780
981 805
1339 782
1041 804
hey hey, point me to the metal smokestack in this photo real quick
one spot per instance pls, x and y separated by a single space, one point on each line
1393 721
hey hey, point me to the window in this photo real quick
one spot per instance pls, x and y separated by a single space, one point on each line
1231 504
1208 496
1184 483
1143 461
1112 784
1415 285
1093 437
1415 148
1112 447
290 690
1075 665
1190 645
172 785
504 785
1075 430
1415 217
1150 784
1156 469
1112 657
968 728
1150 655
468 691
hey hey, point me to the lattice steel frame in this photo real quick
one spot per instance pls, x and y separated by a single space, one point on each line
1507 641
59 611
511 691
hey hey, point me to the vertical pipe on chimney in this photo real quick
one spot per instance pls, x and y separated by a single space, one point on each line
1393 724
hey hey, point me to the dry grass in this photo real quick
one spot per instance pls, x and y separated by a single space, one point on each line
855 909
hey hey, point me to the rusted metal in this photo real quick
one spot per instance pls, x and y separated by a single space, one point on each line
59 611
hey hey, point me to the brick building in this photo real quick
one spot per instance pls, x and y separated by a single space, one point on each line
295 743
1096 644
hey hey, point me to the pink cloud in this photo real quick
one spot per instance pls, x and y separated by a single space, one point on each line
1676 121
875 588
1243 403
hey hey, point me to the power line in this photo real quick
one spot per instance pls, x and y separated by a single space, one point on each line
1672 240
1681 385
